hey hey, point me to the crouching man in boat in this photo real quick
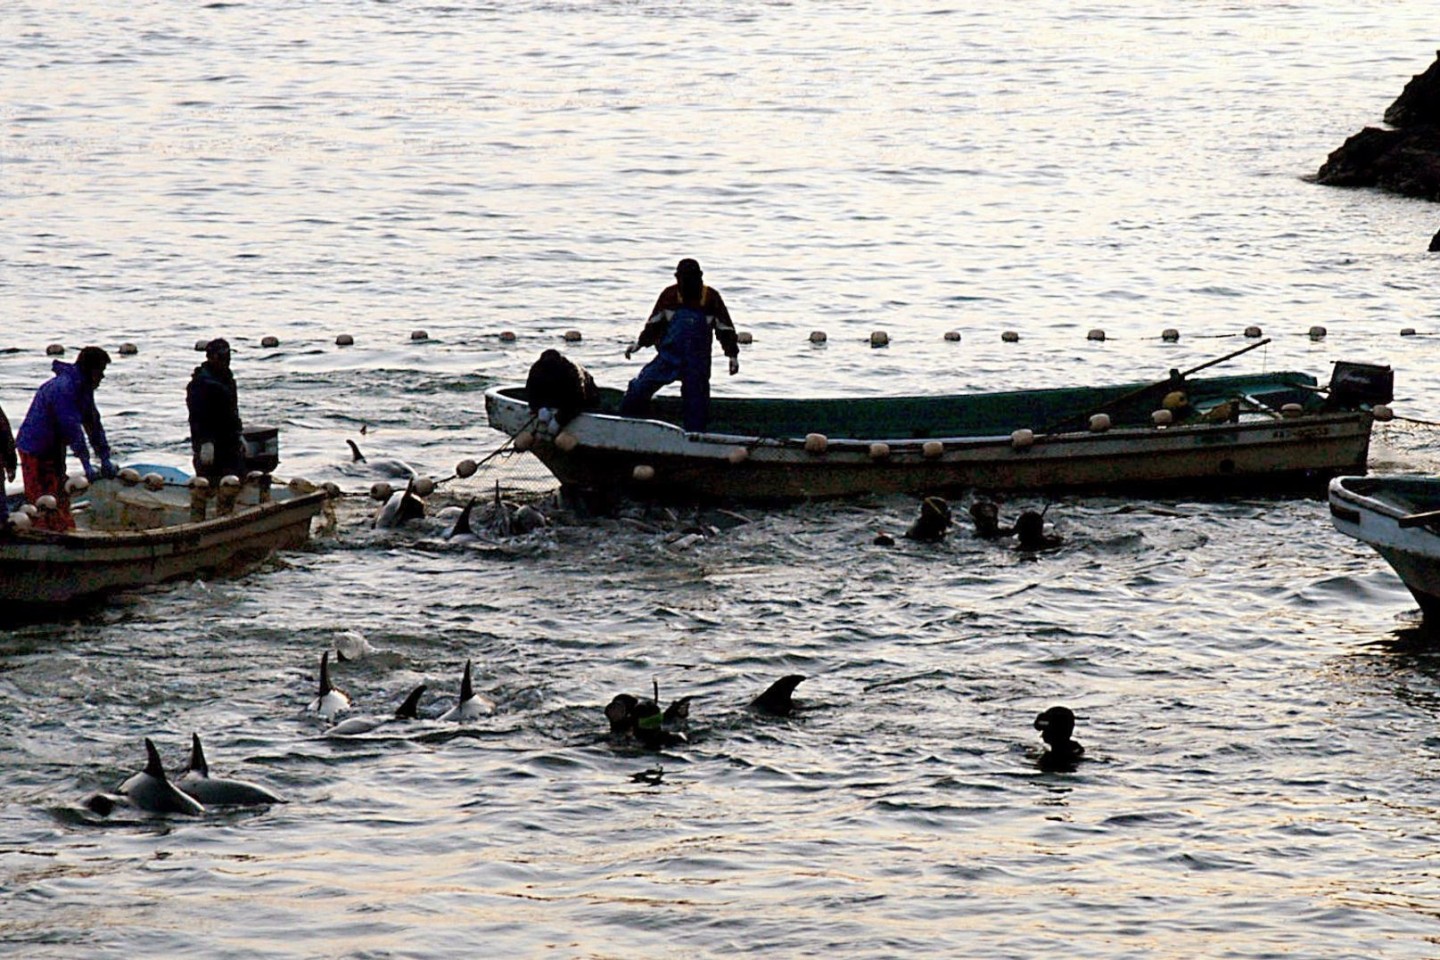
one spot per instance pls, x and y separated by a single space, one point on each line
685 317
216 433
63 413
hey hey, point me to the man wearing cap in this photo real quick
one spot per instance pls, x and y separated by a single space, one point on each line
685 317
215 428
63 413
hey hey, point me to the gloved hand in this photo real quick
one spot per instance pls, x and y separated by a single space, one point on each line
631 349
107 468
734 366
89 470
207 454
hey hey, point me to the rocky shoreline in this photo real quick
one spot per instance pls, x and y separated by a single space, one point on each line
1403 159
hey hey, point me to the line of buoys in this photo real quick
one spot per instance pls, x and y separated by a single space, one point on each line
932 449
816 442
1170 335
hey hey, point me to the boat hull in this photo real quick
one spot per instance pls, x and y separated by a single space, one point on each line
1384 512
1300 453
41 571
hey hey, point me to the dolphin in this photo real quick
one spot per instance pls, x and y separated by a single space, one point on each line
471 704
776 698
330 699
409 710
403 505
385 466
150 790
462 531
197 782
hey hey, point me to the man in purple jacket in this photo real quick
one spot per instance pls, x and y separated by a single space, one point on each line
62 414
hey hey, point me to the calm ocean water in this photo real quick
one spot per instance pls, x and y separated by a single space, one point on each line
1258 701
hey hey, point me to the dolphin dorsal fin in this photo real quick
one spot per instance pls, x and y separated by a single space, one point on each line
409 709
462 522
355 455
197 756
325 685
467 690
153 766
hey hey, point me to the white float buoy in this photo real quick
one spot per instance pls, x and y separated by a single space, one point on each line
744 336
1099 422
153 482
1170 335
643 472
344 340
380 490
20 520
1407 331
55 350
47 502
952 336
572 336
566 441
1252 332
1291 410
1010 336
1162 417
1382 412
130 476
817 336
269 342
1096 334
419 335
816 442
1022 439
1175 400
30 510
932 449
738 455
879 339
200 483
76 484
524 440
128 349
200 345
466 469
1317 332
879 451
301 486
423 486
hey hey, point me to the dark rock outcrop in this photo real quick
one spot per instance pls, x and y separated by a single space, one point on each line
1404 160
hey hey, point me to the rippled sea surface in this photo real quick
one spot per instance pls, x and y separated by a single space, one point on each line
1257 696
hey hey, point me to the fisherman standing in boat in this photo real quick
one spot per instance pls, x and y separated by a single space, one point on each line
216 433
62 413
685 317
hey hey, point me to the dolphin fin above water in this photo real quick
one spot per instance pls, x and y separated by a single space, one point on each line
471 704
355 455
462 523
151 790
354 726
197 783
776 700
329 700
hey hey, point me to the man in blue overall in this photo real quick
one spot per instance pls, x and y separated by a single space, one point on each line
685 317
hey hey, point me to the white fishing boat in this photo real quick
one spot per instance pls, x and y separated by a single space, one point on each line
1237 434
132 534
1398 516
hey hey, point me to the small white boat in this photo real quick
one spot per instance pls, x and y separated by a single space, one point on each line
1399 516
130 535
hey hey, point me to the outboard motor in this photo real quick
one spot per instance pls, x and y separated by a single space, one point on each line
1355 384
